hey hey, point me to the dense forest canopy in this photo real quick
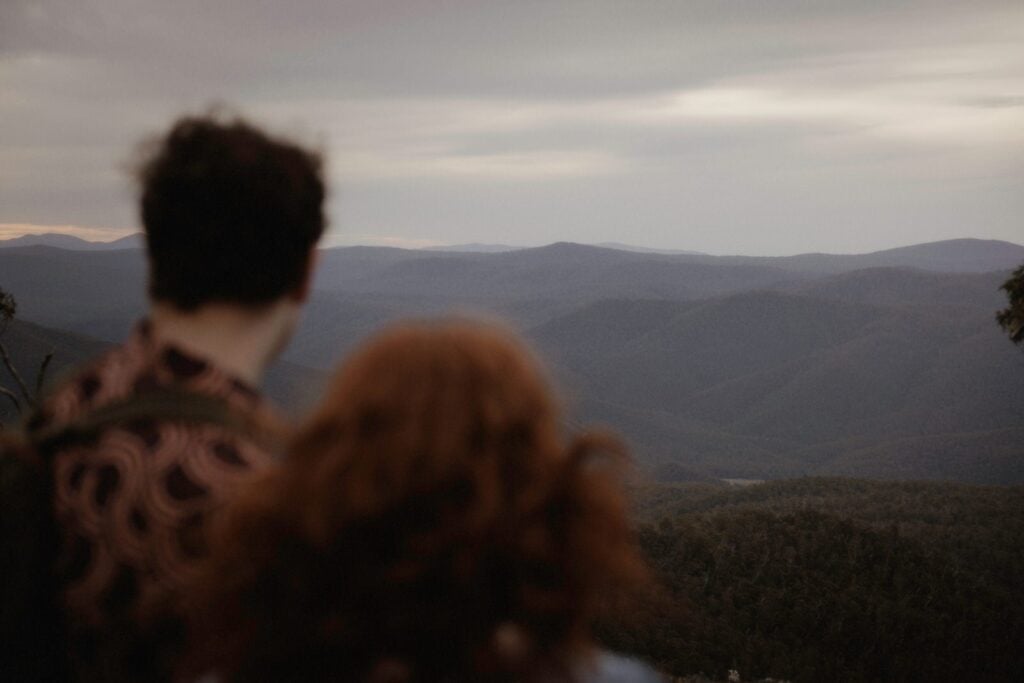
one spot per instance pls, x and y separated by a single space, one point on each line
832 579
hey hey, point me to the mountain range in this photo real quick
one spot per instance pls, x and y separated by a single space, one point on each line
882 365
62 241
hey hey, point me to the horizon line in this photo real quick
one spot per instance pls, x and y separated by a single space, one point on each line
13 231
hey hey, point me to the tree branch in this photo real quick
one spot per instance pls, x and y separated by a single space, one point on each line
14 399
17 377
41 375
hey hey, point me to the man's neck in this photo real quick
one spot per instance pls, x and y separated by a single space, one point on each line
238 340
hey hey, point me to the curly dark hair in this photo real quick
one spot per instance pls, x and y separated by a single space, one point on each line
231 214
430 522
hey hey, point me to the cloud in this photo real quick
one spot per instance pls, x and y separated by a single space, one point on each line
749 124
531 166
886 113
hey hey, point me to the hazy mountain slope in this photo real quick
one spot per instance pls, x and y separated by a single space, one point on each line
709 370
97 293
797 385
334 324
339 266
359 289
101 292
559 271
669 447
904 286
670 354
952 256
863 381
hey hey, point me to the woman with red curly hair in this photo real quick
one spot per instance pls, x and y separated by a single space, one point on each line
429 523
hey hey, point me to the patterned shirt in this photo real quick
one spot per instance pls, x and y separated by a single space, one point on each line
132 506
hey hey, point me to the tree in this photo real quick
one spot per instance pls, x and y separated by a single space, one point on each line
1011 318
8 308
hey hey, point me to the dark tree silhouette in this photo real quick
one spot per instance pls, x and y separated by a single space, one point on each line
1011 318
8 308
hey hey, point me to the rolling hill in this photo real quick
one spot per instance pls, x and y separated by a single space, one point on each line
885 365
775 385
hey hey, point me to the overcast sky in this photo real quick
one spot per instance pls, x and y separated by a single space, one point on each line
754 127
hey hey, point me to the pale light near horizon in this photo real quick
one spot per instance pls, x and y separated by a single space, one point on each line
90 234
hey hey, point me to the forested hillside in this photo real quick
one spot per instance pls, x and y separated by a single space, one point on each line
831 580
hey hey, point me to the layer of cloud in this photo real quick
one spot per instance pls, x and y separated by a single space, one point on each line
753 127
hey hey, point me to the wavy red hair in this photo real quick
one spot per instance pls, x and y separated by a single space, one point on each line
430 522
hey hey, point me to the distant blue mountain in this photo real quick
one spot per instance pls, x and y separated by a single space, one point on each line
883 365
61 241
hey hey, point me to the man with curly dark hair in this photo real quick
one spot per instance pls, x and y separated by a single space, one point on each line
232 216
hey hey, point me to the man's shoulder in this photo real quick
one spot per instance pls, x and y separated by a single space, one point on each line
103 378
143 367
159 396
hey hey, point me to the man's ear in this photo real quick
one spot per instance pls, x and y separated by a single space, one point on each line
301 293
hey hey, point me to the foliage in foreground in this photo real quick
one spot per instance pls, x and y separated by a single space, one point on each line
1011 318
841 580
20 396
